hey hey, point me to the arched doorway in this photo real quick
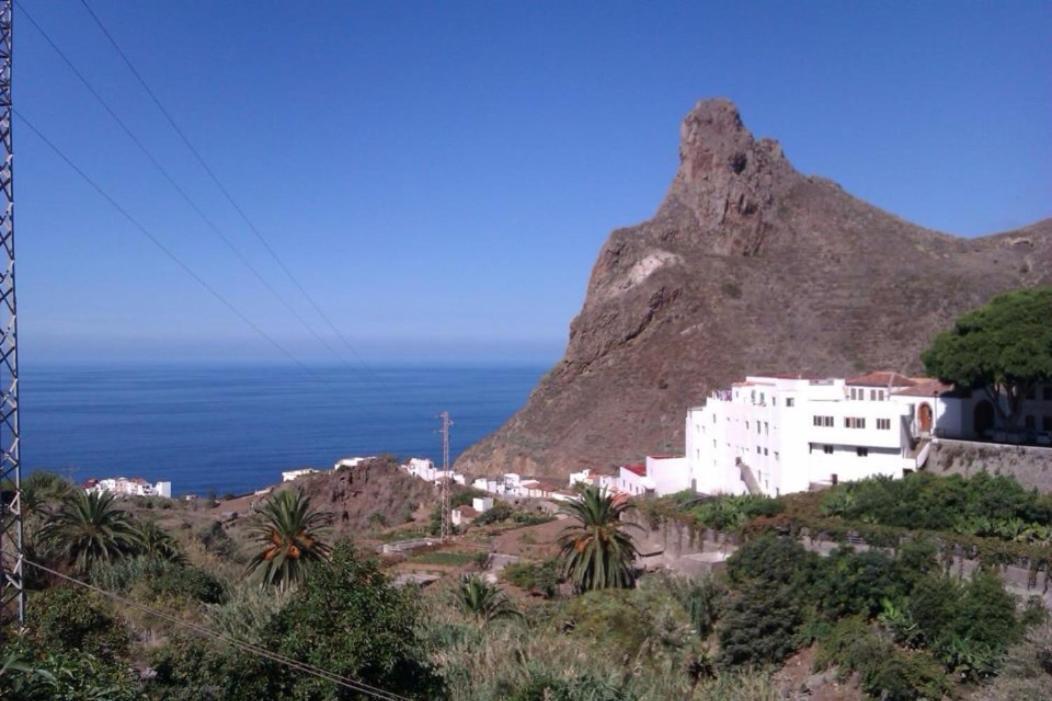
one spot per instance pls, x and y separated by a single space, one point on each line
924 418
983 417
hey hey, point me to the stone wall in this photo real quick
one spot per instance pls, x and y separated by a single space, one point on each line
1030 466
691 551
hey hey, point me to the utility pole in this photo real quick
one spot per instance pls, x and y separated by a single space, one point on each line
447 527
12 593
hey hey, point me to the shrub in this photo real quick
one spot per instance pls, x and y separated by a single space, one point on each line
537 578
760 625
69 620
855 583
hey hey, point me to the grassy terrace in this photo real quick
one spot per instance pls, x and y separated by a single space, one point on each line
990 518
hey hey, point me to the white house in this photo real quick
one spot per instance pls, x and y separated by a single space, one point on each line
292 475
425 469
776 434
124 486
482 504
352 462
463 515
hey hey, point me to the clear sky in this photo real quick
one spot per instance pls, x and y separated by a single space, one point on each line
441 175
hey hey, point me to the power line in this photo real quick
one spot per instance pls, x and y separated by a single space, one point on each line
160 244
178 188
219 184
347 682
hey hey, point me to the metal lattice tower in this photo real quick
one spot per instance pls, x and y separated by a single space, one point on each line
447 527
12 593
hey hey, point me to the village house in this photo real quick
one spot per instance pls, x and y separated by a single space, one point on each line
425 469
124 486
776 434
293 475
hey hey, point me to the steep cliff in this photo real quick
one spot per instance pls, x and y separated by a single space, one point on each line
747 266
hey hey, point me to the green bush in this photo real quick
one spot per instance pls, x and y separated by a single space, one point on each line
154 579
67 620
761 624
539 578
850 583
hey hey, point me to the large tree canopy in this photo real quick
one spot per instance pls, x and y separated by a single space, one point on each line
1004 347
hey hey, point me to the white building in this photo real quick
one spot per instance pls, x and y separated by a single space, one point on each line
425 469
779 434
463 515
292 475
124 486
482 504
352 462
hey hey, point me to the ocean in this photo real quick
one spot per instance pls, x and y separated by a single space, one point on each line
234 428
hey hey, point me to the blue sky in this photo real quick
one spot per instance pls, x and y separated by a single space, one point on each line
442 175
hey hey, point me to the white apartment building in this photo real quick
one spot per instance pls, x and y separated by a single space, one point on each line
124 486
777 434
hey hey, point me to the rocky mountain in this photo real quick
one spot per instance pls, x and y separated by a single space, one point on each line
748 266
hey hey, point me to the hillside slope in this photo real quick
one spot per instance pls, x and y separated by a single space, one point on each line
747 266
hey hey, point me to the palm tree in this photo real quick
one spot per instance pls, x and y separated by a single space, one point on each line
289 532
596 552
485 601
158 543
89 528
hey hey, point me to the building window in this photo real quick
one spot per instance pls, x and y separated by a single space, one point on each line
823 421
1046 393
880 395
1030 423
789 401
757 450
861 452
884 424
765 451
774 400
827 449
766 429
776 456
854 422
757 428
746 425
1031 393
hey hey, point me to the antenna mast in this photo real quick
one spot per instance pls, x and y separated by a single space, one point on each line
447 527
11 553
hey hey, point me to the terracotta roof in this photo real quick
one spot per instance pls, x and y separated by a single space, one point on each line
881 378
925 388
640 470
467 511
550 485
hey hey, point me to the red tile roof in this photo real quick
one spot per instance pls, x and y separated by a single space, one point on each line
467 511
881 378
640 470
925 388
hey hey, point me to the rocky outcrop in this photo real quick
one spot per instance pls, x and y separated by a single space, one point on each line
747 266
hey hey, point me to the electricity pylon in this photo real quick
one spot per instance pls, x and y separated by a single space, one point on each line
12 592
444 486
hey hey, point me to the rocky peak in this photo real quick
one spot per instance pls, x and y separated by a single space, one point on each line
727 179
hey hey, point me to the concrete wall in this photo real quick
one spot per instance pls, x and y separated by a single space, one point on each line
1030 466
688 551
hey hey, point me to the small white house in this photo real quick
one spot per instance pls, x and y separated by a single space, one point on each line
482 504
423 468
352 462
463 515
292 475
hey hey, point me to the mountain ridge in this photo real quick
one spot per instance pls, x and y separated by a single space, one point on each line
747 265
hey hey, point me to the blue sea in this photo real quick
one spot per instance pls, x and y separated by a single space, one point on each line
234 428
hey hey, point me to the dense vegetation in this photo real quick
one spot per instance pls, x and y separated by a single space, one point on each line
582 626
1003 348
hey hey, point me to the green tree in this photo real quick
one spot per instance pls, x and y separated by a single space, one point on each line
289 533
484 601
1004 348
89 528
155 542
596 552
348 619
